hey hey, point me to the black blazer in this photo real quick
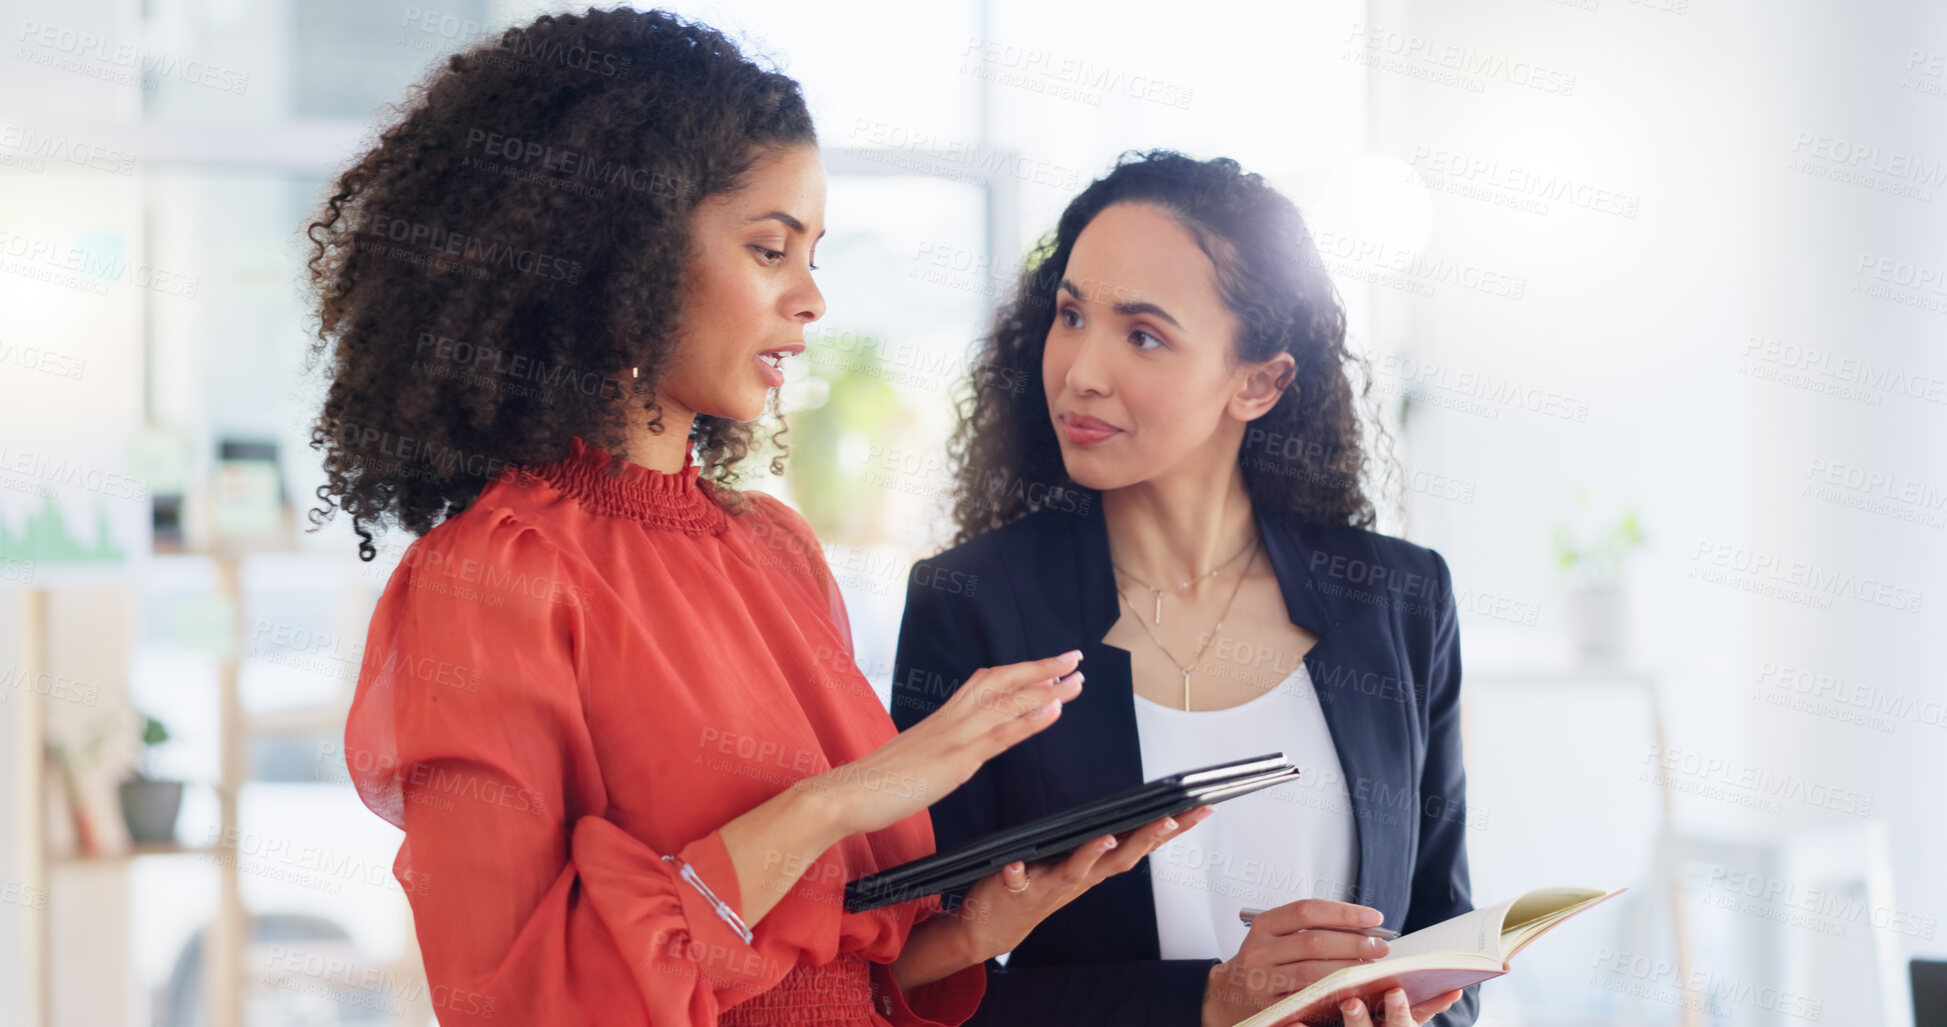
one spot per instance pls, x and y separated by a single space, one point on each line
1387 673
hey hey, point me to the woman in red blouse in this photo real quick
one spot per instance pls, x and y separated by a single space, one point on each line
609 698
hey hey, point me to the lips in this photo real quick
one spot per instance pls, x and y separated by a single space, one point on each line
1083 430
770 363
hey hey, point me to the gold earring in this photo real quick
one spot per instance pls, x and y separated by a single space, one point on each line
635 372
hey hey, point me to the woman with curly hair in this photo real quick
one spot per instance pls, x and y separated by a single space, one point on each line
609 698
1182 501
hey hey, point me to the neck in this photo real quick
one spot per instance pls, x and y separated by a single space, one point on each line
667 452
1175 527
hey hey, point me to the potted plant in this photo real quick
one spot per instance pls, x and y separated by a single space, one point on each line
1597 612
149 804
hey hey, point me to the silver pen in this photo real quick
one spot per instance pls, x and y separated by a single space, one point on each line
1382 933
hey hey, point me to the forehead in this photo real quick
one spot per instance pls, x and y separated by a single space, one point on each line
790 181
1137 253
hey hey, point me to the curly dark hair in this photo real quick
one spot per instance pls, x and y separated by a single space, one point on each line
488 273
1302 460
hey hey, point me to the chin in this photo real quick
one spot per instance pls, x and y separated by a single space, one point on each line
1093 473
740 408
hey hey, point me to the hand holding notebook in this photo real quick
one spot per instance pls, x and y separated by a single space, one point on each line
1453 954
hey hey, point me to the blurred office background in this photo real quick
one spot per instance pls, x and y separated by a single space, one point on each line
1653 293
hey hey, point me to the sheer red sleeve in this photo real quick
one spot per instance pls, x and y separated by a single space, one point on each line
467 732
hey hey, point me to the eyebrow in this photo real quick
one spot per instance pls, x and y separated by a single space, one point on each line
787 220
1129 309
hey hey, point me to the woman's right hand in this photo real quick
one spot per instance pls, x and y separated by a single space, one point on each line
1287 949
994 709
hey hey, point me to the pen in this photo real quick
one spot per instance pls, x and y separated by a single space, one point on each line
1248 915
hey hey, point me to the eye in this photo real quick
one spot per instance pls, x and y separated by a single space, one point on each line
1139 334
1069 317
771 256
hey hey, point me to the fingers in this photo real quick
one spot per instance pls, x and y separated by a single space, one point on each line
1434 1007
1078 869
1147 839
1393 1007
1025 711
1315 944
1398 1013
1021 688
1297 916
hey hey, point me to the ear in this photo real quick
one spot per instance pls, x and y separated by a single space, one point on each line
1261 385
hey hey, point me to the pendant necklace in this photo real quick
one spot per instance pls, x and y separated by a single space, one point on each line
1158 592
1182 667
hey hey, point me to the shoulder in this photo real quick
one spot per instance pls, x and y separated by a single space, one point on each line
511 516
1358 555
781 540
774 529
509 546
764 512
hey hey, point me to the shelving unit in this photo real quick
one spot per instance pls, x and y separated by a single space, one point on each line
227 932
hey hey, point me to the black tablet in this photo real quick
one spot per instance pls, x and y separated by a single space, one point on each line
1063 833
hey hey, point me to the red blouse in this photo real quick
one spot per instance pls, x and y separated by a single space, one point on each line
581 673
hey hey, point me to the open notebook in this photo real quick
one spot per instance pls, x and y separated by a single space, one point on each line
1432 961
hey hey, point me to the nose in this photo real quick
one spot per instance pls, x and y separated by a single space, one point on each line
805 303
1088 367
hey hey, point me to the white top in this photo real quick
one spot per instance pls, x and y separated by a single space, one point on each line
1262 850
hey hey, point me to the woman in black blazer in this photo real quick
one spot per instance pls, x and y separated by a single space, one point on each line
1181 500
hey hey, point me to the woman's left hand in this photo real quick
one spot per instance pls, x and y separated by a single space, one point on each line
1001 908
1395 1011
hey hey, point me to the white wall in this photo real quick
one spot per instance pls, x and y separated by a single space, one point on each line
1648 320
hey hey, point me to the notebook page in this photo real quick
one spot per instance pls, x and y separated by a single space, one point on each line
1476 931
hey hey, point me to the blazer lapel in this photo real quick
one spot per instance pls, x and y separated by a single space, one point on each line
1368 730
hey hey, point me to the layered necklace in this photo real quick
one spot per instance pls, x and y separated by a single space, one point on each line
1158 592
1182 667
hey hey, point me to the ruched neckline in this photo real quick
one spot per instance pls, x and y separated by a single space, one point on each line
675 501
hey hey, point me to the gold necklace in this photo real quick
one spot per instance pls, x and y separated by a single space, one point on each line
1158 592
1185 668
